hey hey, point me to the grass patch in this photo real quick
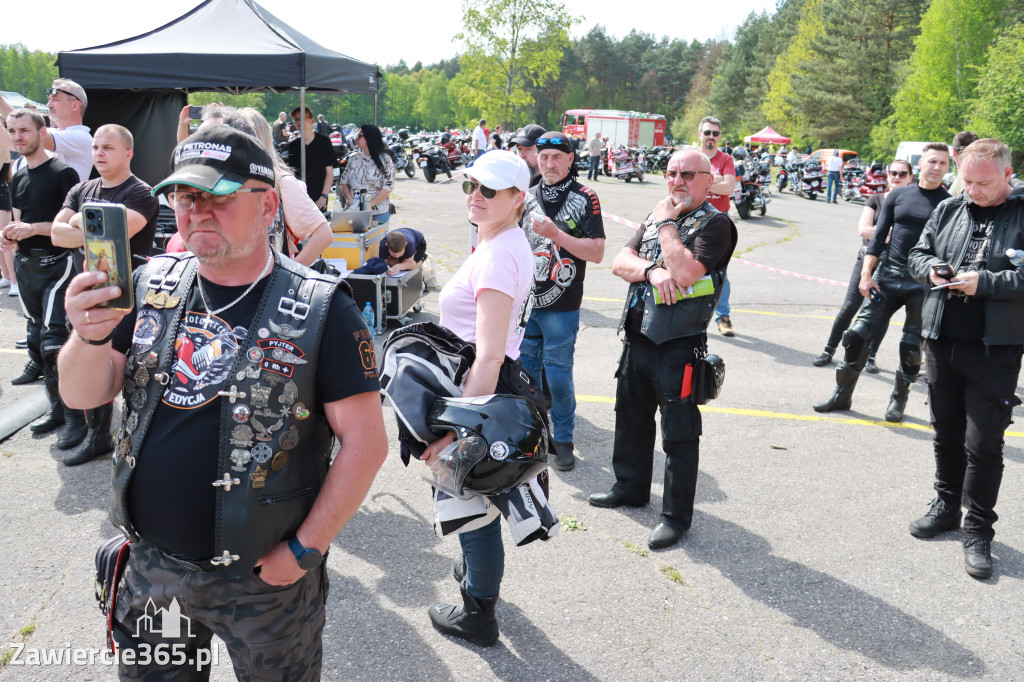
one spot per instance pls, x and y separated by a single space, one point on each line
570 523
6 654
7 452
28 629
639 551
672 574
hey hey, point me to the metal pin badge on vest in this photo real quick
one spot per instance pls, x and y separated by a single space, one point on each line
290 438
241 459
258 477
261 453
241 436
280 459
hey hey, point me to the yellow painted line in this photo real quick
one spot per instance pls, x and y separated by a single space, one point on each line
793 417
19 351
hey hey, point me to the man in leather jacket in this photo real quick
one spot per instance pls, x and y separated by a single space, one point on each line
974 338
238 367
685 242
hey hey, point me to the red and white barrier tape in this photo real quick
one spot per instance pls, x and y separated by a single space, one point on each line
810 278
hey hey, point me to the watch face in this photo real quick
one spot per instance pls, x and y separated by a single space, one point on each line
310 560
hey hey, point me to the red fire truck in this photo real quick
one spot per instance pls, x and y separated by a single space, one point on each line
629 128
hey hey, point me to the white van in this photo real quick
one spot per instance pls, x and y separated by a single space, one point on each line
912 151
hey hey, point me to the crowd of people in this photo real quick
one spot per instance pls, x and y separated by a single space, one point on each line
238 367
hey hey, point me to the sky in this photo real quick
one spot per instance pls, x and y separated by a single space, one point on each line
413 31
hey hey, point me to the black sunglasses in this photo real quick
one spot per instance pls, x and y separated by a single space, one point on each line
52 92
469 186
899 174
685 176
715 133
550 140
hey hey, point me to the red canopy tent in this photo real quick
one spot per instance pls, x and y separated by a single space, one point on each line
768 136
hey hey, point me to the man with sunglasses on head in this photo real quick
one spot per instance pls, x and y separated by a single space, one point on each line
722 186
566 234
902 217
68 139
238 367
675 264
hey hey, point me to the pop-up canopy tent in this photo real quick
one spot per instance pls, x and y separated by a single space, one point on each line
231 46
767 136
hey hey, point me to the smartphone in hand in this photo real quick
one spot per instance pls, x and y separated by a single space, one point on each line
943 271
105 233
195 113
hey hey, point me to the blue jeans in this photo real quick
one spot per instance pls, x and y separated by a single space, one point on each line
383 218
595 168
550 343
722 309
485 559
832 190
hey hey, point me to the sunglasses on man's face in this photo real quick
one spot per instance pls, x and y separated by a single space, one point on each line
714 133
52 92
899 174
470 186
685 176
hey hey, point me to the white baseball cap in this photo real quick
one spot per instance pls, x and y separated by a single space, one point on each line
499 169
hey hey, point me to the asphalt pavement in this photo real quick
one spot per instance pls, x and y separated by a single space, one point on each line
798 565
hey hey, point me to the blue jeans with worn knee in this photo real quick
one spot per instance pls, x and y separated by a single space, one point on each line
832 191
485 559
722 309
550 343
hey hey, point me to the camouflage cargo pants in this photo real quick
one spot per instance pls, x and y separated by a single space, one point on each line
166 614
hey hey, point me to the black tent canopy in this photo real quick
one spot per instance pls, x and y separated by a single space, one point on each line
232 46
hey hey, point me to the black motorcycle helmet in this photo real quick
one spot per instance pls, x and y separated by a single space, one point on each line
501 441
739 153
403 134
446 138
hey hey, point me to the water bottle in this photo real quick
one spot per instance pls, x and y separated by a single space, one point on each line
364 200
1016 257
369 318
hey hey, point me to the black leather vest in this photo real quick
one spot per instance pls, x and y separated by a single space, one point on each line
275 460
690 316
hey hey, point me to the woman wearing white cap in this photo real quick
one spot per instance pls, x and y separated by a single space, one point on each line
487 302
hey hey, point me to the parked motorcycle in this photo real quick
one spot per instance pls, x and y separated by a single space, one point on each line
457 151
875 182
432 159
626 165
750 191
782 177
403 161
810 181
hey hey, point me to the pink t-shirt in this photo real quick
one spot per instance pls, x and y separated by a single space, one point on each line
503 263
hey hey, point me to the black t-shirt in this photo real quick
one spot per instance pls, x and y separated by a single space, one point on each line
170 499
559 274
904 212
39 194
712 247
963 316
413 240
136 196
319 155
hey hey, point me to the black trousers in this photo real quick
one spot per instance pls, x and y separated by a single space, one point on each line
971 396
899 290
851 304
650 378
42 281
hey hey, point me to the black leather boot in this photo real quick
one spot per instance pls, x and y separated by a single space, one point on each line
474 621
32 372
54 418
842 397
99 442
898 401
75 429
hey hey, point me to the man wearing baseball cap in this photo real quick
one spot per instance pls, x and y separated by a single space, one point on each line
237 368
525 141
568 233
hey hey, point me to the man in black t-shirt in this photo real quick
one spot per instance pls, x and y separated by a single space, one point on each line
568 234
904 214
42 269
112 151
974 338
681 251
320 160
238 368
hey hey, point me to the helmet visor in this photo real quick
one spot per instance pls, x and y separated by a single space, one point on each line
455 462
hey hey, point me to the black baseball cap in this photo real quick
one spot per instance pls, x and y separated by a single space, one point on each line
527 135
219 160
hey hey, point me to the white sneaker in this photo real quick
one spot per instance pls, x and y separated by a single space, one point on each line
4 282
14 290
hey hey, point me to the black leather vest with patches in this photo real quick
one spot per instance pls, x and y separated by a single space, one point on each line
272 465
690 316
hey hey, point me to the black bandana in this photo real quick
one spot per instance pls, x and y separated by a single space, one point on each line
555 194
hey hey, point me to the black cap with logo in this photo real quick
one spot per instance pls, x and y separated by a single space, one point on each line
219 160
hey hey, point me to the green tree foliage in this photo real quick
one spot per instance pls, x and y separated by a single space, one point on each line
400 97
777 104
999 110
845 87
25 71
696 105
933 102
249 99
433 107
510 46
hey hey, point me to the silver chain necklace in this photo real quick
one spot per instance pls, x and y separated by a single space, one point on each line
202 295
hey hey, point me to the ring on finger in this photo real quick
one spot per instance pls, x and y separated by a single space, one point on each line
87 320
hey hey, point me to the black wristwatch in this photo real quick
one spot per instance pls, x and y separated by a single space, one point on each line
308 559
647 271
325 196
